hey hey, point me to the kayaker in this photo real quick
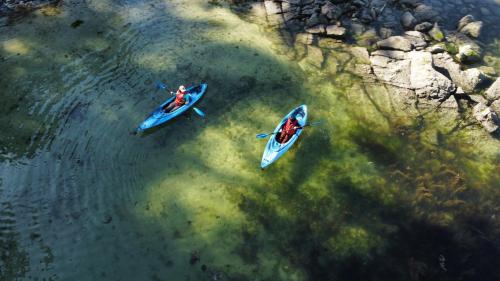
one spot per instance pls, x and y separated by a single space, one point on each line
181 98
289 128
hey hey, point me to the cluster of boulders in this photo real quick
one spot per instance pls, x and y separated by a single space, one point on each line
432 64
8 7
321 17
409 50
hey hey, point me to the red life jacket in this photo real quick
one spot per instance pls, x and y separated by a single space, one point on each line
179 98
289 127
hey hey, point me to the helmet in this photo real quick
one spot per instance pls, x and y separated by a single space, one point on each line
182 88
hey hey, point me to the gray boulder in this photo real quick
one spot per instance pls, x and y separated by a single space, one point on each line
272 7
313 20
417 39
314 56
469 80
424 27
317 29
411 3
468 54
487 117
395 43
493 92
336 31
472 29
413 71
436 49
425 80
408 20
465 21
496 106
361 54
425 13
394 72
436 33
331 11
274 16
468 50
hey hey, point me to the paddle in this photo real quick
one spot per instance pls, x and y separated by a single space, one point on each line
262 136
198 111
163 86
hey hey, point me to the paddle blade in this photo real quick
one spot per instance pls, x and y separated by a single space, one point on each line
160 85
199 112
262 136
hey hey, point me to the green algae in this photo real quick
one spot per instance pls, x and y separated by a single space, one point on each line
375 193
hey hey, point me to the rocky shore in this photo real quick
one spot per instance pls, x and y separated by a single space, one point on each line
400 43
14 7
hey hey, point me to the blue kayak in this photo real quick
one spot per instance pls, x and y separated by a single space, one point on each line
159 116
274 149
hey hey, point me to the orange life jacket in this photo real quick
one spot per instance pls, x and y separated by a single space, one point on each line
289 127
179 98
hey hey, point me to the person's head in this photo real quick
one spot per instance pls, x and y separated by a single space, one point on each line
182 88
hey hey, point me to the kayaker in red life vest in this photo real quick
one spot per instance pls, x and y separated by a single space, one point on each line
288 130
181 98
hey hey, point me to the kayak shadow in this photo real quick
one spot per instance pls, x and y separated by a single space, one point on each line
166 125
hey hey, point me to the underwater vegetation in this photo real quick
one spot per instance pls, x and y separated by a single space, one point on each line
415 211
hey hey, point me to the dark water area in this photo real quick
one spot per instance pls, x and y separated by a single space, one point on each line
374 193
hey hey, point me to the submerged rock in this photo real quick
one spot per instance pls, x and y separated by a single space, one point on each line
424 27
465 21
361 54
487 117
314 56
425 13
408 20
472 29
304 38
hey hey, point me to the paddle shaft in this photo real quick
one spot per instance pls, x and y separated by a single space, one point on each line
300 127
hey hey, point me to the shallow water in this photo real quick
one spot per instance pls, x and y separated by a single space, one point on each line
373 192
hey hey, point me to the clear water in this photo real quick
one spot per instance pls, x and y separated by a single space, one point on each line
373 193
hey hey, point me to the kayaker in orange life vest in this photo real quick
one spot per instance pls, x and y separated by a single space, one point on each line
181 98
288 130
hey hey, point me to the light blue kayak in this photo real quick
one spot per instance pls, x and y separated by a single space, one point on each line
159 116
274 149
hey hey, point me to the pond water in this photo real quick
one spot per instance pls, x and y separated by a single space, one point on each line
374 193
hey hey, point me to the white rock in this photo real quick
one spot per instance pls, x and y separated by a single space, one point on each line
335 30
425 80
493 92
395 43
472 29
487 117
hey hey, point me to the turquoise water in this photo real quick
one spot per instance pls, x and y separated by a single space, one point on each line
375 193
